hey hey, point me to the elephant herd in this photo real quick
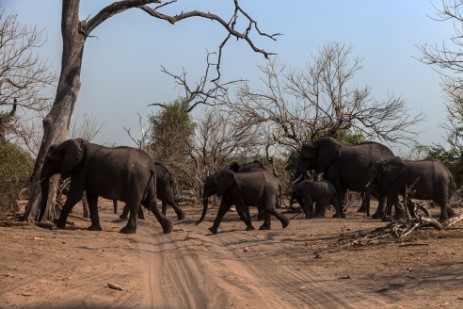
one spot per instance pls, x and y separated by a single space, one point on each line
129 175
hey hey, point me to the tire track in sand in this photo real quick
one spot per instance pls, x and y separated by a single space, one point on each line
190 268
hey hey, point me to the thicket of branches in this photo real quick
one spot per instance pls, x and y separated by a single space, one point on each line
23 76
293 106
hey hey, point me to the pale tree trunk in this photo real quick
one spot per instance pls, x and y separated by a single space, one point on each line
56 123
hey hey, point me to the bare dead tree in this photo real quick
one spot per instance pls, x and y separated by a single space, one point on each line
321 99
142 141
217 141
75 33
88 128
447 59
22 78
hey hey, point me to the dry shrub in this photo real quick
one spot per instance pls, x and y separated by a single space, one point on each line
15 168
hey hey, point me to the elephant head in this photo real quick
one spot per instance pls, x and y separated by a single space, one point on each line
317 155
61 159
385 172
216 184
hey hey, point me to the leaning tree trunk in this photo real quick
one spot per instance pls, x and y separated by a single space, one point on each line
56 123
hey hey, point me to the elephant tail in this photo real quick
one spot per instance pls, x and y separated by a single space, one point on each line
151 182
452 186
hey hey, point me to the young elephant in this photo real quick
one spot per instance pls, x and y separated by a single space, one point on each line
165 192
431 180
322 193
257 188
121 173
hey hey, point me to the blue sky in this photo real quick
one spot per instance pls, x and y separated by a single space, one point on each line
121 67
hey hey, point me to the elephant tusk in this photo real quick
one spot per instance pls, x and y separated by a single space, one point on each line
368 184
297 180
42 180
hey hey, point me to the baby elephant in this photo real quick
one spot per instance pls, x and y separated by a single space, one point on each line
321 193
257 188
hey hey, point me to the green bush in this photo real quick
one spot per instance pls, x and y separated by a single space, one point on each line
15 168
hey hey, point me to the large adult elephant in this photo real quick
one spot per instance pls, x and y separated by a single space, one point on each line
121 173
345 166
429 179
165 191
245 189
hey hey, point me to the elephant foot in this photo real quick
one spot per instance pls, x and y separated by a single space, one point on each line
213 230
284 223
167 228
128 230
250 228
122 217
378 216
94 228
342 215
60 224
264 227
180 215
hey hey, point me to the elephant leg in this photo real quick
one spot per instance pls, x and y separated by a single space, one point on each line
379 214
449 211
167 226
267 222
74 196
365 207
163 207
141 214
125 212
445 211
131 226
115 206
223 209
283 219
320 209
170 200
85 206
94 217
307 207
245 215
260 214
340 204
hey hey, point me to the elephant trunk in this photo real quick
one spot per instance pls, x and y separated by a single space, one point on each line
205 205
301 169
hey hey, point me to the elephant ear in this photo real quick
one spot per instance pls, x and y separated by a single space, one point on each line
225 178
328 151
392 169
72 154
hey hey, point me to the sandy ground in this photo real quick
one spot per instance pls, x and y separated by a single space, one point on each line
317 263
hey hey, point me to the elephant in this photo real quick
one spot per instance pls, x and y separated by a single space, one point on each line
322 193
345 166
120 173
429 179
256 165
165 192
256 188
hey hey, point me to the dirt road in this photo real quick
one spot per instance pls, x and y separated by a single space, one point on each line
310 264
